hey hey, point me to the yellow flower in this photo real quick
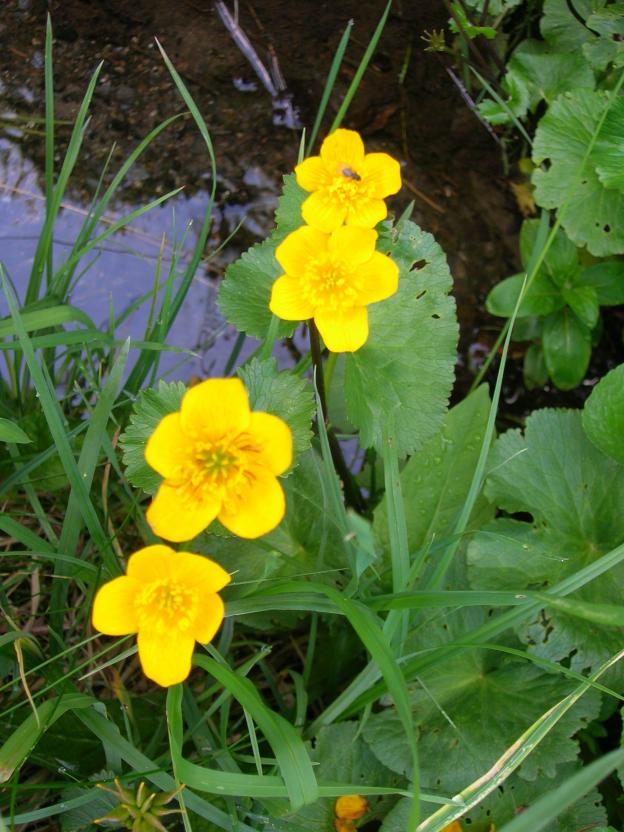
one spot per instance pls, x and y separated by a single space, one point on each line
170 599
350 807
453 827
219 460
332 278
348 186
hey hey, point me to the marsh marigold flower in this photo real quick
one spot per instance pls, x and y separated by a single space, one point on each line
332 278
350 807
347 184
218 459
170 599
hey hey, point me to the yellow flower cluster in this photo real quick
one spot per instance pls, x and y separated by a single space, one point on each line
218 460
331 269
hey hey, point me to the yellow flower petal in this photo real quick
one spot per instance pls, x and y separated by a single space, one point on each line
151 562
286 301
343 149
320 210
260 509
379 278
274 438
366 213
301 246
175 518
350 807
213 408
312 174
167 447
353 245
166 657
113 607
198 572
344 330
209 617
382 174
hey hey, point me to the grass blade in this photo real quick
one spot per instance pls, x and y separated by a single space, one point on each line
355 83
329 85
290 752
551 805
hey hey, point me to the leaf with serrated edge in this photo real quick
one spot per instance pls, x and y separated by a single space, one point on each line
574 494
593 215
150 407
283 394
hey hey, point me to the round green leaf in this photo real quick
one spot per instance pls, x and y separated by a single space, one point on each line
593 214
583 301
607 279
541 298
603 416
567 348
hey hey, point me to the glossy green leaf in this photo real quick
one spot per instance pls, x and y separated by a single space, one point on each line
541 298
603 415
534 370
607 279
547 73
406 367
563 137
567 348
583 301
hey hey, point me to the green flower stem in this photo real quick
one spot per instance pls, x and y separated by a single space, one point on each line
351 490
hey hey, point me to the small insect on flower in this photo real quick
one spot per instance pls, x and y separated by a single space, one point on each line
170 599
347 185
332 278
218 459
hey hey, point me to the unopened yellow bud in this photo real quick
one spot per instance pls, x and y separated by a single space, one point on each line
350 807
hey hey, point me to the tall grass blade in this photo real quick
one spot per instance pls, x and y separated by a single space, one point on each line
512 758
329 86
551 805
355 83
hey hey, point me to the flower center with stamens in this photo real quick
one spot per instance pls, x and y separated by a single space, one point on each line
165 604
330 283
347 188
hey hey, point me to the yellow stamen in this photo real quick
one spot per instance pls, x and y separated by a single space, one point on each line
163 604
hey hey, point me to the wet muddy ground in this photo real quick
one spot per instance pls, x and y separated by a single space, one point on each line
407 105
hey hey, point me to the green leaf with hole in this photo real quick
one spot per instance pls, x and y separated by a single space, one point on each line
567 348
603 415
150 407
593 214
562 29
407 365
608 48
12 432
